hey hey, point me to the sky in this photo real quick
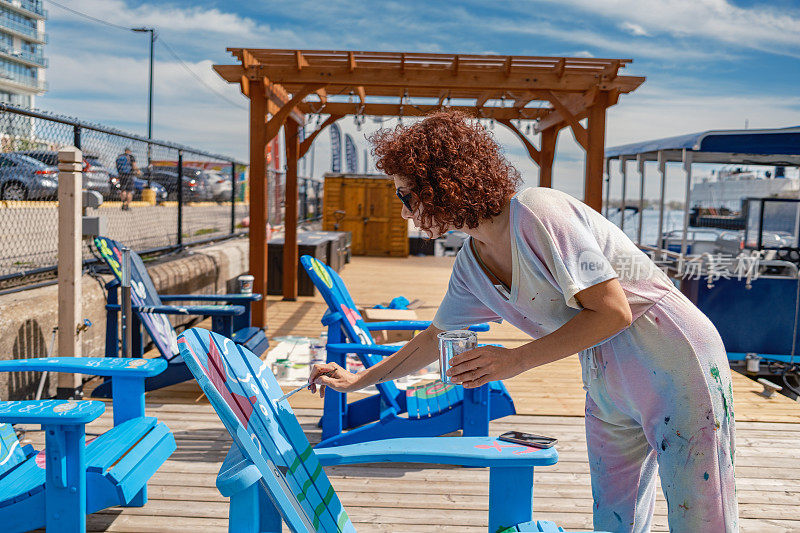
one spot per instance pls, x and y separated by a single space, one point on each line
709 64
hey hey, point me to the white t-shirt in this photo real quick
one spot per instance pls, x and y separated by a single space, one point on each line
559 246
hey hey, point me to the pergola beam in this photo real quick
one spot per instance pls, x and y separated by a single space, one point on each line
532 150
576 104
577 129
482 99
392 110
274 124
420 78
277 97
306 144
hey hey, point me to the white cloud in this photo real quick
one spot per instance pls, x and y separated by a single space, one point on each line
634 29
763 27
162 16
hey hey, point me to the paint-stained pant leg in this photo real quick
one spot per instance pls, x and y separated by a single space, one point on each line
669 373
694 433
623 469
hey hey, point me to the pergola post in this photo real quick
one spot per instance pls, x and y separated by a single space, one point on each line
258 200
292 139
595 148
547 151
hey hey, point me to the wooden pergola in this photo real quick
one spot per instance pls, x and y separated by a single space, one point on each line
286 85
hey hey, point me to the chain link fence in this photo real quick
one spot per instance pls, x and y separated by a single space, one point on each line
156 195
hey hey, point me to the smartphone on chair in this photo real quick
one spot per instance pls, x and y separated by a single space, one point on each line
528 439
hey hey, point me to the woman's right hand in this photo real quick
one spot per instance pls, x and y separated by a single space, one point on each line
334 376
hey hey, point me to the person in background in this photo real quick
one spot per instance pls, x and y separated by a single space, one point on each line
659 400
126 171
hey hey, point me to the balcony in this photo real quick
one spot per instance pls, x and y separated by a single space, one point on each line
23 56
26 82
26 7
21 30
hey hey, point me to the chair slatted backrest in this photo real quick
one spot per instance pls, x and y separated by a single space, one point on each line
245 394
143 293
11 453
338 298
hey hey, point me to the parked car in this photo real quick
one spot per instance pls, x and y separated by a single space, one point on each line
95 175
138 186
217 185
193 190
26 178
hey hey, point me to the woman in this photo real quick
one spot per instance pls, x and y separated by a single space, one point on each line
658 387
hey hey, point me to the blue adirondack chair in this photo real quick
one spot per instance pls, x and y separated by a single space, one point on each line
432 409
272 474
57 487
149 310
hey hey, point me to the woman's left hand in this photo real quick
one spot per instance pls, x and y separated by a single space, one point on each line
483 364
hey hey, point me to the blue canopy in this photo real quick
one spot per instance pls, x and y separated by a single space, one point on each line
766 147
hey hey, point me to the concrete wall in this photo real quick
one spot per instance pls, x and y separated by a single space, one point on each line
27 318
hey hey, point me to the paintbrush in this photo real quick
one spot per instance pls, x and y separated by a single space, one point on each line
301 387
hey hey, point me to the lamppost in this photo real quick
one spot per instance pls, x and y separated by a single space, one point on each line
152 32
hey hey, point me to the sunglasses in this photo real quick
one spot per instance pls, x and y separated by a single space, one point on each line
405 198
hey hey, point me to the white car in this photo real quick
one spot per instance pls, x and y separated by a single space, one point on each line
217 184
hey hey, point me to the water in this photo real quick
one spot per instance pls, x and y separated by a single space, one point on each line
673 219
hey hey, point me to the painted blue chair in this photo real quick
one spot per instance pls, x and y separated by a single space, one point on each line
433 409
272 475
57 487
149 309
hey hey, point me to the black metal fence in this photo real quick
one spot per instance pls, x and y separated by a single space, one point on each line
180 195
211 202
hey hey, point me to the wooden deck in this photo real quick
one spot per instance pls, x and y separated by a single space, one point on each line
399 497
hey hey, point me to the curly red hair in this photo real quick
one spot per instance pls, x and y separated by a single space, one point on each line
453 166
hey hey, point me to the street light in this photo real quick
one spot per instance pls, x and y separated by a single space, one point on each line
150 96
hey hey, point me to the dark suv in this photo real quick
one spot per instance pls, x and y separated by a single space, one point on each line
193 190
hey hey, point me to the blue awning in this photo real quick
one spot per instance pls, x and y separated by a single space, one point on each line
768 146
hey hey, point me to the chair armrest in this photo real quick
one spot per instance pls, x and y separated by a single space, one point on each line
377 349
59 412
463 451
399 325
204 310
413 325
230 298
96 366
236 473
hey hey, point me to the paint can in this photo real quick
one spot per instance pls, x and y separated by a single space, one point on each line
246 284
753 363
452 343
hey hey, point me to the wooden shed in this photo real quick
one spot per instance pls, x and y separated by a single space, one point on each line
366 206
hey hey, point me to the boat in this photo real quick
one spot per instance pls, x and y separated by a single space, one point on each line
737 254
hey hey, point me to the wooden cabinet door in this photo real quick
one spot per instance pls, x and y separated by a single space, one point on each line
354 212
377 218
